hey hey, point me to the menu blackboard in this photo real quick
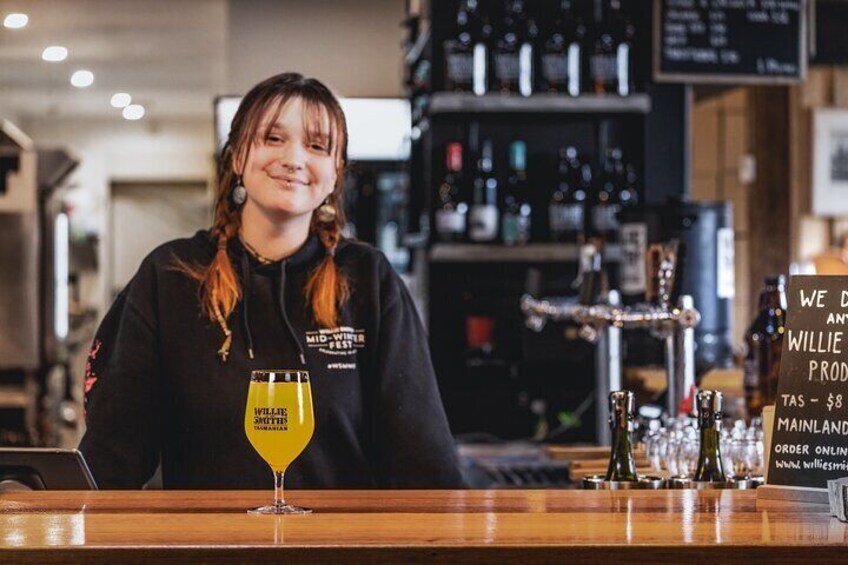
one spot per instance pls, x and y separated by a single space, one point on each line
734 41
810 438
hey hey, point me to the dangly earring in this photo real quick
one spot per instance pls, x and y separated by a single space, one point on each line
239 193
326 212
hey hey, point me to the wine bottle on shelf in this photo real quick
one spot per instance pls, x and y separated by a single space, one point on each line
610 61
622 464
515 225
606 203
484 214
459 50
562 53
629 195
710 467
452 212
567 207
513 54
482 31
624 55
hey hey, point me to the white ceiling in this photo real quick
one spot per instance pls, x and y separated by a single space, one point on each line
175 56
165 53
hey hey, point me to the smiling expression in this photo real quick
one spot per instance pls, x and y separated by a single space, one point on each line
291 167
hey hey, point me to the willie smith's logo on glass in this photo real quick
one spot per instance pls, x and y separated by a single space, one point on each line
341 342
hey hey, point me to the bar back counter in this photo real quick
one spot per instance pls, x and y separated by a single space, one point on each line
507 526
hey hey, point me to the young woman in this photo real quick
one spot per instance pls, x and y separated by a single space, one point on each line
271 285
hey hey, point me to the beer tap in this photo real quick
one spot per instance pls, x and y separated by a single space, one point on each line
602 318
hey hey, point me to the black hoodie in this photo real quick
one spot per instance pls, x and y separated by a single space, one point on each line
155 386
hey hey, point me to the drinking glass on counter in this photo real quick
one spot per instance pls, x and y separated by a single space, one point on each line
672 448
279 423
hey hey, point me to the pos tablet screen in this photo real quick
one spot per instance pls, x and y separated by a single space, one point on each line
44 469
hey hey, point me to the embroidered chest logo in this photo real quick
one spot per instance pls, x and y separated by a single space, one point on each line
341 341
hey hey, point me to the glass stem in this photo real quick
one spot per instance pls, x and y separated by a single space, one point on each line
279 499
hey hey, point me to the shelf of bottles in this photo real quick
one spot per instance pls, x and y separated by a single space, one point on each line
482 208
543 52
549 103
567 64
530 253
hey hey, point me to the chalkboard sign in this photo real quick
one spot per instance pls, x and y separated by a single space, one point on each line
732 41
810 439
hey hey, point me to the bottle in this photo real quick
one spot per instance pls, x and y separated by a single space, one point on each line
606 204
710 467
610 62
482 30
629 195
513 54
459 51
452 211
515 224
763 344
622 464
567 207
562 53
483 215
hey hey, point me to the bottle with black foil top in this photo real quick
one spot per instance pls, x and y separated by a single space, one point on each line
466 51
710 468
567 208
459 50
562 53
513 57
622 464
610 183
610 59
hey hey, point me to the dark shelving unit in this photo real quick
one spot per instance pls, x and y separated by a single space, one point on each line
502 392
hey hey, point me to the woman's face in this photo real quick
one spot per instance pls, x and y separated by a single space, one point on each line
289 173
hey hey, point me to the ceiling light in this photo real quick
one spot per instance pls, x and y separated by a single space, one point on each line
133 112
55 53
121 100
16 21
82 79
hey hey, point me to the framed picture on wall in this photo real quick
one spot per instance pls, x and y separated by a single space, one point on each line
830 162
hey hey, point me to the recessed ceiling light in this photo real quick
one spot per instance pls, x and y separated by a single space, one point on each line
55 53
82 79
133 112
15 21
121 100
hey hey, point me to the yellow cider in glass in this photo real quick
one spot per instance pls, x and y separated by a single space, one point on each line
279 421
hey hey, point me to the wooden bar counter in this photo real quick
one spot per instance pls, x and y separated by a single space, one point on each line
671 526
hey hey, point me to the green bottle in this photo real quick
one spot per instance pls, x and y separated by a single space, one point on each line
710 468
622 465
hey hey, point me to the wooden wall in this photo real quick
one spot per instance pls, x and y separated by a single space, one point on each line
753 147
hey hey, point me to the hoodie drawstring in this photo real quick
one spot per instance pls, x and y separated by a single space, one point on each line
245 308
297 343
245 315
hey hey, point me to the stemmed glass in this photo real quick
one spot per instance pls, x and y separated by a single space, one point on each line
279 422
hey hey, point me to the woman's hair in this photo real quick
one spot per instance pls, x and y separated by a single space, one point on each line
327 288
